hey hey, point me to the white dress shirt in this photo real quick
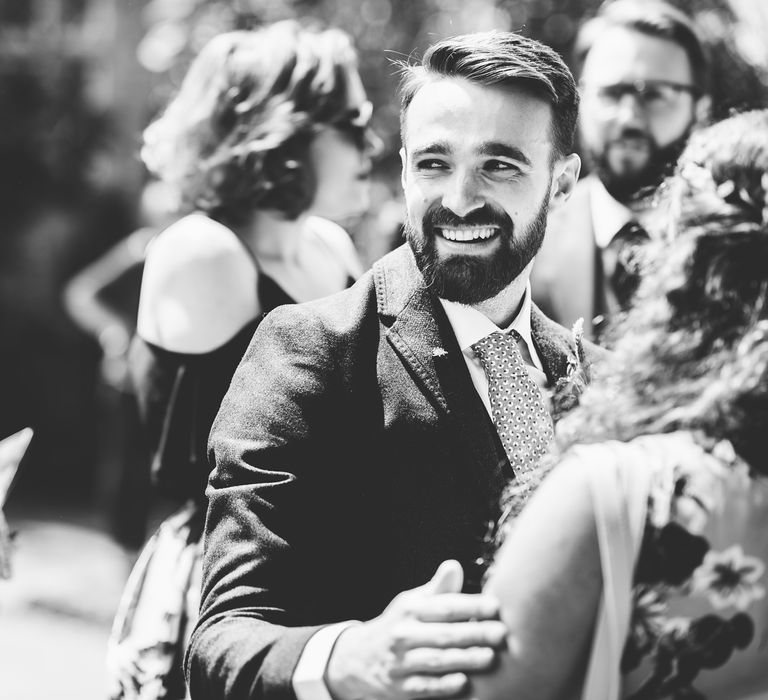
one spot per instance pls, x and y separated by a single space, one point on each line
608 215
469 326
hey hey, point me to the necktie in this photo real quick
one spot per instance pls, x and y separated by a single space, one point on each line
620 263
517 407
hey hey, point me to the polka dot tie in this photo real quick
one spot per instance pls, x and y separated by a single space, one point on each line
522 420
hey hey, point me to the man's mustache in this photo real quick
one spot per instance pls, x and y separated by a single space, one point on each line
631 133
439 216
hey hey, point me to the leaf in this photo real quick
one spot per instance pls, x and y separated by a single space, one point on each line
12 449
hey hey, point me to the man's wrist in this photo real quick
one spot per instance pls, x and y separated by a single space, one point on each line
335 678
310 676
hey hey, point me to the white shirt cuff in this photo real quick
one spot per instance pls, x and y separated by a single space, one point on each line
307 679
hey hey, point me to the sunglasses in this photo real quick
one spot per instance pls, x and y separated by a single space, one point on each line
355 124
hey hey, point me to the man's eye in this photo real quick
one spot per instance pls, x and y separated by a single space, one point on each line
431 164
495 166
611 93
654 95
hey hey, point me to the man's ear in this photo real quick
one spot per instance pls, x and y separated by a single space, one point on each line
703 109
565 175
403 163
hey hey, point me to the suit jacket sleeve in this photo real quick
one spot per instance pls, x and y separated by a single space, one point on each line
269 447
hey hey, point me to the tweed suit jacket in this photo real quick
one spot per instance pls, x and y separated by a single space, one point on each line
351 456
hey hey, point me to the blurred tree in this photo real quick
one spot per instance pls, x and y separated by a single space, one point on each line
391 30
61 204
176 29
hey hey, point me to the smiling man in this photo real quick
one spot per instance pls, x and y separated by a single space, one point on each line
360 452
481 168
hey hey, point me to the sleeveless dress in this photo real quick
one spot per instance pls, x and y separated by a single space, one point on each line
179 395
683 529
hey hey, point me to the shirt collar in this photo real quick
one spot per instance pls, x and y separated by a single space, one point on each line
469 325
608 215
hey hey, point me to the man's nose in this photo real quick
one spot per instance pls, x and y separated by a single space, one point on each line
464 194
629 109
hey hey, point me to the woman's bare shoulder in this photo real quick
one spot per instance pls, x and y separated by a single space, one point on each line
198 287
339 242
547 580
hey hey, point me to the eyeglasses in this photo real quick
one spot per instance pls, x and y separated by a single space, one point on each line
655 97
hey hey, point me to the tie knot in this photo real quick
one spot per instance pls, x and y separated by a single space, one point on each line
495 341
499 348
622 262
630 234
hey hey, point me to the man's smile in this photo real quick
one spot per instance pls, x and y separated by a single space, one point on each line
467 234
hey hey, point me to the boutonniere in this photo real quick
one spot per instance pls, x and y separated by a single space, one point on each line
569 388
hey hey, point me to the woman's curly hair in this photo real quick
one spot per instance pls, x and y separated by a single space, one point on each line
693 351
236 136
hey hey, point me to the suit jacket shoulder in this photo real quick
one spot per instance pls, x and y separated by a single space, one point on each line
562 280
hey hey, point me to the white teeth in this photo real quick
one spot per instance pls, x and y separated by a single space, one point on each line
467 234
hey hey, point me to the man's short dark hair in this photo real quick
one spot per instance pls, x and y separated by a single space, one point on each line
657 19
501 59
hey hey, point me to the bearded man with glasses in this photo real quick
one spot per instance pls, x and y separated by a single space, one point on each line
644 87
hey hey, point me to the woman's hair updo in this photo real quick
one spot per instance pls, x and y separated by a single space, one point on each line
718 201
692 353
236 136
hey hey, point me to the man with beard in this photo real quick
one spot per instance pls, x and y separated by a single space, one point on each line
362 447
643 84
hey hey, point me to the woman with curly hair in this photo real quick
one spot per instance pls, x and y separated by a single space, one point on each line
638 568
265 144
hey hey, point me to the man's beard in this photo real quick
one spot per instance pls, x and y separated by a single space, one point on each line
471 278
626 187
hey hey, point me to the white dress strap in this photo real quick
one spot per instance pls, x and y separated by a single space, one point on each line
619 483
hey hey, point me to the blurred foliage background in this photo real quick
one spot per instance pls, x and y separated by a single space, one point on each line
176 30
79 80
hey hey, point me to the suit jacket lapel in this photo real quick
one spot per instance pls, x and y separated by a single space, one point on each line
421 334
408 312
553 344
478 438
419 331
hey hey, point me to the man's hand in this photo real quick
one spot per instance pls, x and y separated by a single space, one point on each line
423 645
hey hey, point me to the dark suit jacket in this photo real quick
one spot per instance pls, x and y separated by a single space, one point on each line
563 277
352 455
